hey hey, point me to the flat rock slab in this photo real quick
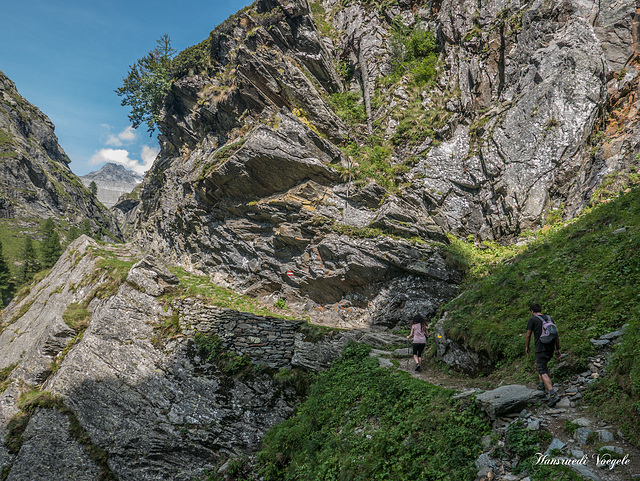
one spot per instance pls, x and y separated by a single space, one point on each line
507 399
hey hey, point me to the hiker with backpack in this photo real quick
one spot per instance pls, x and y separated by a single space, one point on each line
419 333
546 341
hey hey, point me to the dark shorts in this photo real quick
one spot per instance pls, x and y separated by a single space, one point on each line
417 349
542 358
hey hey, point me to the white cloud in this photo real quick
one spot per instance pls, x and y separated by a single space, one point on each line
148 155
127 136
121 156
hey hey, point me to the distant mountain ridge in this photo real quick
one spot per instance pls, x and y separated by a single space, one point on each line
112 181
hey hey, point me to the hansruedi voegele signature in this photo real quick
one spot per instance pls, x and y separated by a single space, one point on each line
601 460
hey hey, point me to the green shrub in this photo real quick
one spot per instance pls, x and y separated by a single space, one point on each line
192 60
584 276
364 422
349 107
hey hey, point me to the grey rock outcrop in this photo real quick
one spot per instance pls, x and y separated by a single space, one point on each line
151 277
35 179
507 399
156 408
50 452
251 188
118 396
458 356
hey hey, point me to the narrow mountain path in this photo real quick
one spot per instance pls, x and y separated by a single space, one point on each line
576 431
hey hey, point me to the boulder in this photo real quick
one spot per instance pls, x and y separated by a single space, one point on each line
456 355
150 276
581 435
507 399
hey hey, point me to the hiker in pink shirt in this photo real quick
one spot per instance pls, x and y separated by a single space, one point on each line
419 333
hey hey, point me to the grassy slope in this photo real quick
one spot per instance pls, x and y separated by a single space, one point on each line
364 422
12 234
586 277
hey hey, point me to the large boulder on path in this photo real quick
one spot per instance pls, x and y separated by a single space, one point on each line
507 399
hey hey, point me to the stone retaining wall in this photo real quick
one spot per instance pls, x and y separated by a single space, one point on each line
266 340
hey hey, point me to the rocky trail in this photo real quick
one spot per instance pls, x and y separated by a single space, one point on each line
576 432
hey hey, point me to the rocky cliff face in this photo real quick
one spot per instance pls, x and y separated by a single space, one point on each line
253 184
91 388
35 180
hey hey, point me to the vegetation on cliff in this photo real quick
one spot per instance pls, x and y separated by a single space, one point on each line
585 273
365 422
147 83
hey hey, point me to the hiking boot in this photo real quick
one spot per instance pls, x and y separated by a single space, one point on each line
541 386
553 400
418 367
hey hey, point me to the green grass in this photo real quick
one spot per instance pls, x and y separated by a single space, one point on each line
585 276
4 377
76 317
523 444
12 235
362 422
193 286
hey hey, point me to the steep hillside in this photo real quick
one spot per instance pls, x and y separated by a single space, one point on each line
113 367
35 180
585 275
320 151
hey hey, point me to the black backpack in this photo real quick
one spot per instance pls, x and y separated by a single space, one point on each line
549 331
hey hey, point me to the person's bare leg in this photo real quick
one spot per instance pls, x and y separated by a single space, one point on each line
547 381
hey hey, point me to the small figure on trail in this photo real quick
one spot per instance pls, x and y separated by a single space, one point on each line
419 333
546 340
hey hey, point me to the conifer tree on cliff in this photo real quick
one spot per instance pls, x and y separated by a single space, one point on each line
6 282
147 83
50 249
30 261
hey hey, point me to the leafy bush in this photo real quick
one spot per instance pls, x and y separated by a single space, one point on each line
414 52
147 83
364 422
349 107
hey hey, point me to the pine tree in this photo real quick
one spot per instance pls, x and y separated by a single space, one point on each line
93 187
50 248
30 261
72 234
6 282
86 227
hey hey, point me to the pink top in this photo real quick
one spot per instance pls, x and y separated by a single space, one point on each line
418 335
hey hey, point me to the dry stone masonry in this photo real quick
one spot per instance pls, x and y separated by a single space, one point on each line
266 340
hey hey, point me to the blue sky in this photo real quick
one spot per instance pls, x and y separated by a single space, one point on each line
67 57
